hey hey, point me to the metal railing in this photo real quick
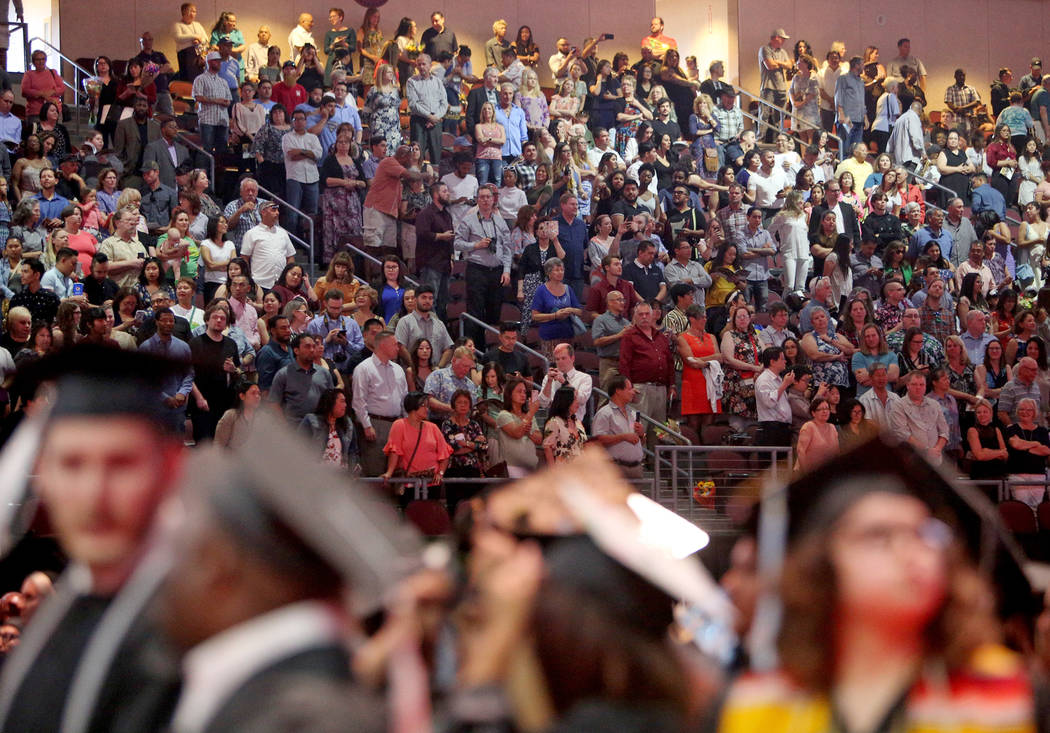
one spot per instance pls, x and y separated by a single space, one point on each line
657 425
940 187
376 261
11 27
309 219
784 113
211 158
79 73
464 317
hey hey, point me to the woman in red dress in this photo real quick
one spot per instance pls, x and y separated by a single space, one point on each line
697 348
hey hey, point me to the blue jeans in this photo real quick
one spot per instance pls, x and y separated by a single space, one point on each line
214 137
301 196
438 281
757 292
489 170
850 137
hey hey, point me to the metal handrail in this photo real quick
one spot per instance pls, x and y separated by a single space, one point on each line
792 115
211 158
77 69
464 317
411 281
309 219
758 121
79 74
938 185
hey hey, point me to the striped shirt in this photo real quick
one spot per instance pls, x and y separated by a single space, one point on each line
212 85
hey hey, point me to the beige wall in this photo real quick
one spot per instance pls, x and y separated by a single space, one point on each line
112 27
945 34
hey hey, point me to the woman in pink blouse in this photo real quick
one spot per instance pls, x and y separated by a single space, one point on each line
41 84
416 446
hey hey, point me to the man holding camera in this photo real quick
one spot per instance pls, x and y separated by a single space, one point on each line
484 239
338 334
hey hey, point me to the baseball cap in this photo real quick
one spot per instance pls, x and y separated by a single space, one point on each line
287 64
213 56
1036 61
780 32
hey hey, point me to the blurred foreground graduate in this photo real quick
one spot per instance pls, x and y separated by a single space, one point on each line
889 609
106 461
275 553
571 610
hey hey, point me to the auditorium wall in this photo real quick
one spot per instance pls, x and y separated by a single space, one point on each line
977 35
112 27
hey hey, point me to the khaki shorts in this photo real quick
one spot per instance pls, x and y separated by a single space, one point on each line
380 230
408 241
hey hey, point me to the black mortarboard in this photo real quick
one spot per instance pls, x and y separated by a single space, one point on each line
817 499
97 380
273 496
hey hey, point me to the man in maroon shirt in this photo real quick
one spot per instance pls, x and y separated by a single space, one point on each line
612 266
646 359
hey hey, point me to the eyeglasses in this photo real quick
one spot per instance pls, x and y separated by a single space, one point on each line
931 533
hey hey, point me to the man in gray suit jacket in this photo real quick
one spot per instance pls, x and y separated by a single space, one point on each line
127 141
166 151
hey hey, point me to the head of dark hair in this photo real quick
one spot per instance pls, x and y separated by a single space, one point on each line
561 403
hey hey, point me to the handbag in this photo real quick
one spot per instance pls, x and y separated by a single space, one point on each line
711 160
578 326
427 473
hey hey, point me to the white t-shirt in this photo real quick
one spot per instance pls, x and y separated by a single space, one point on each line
457 189
510 200
304 170
267 250
7 363
218 254
766 188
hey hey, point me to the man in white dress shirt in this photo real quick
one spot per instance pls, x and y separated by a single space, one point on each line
564 372
379 389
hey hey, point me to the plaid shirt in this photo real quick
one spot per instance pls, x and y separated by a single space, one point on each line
730 123
212 85
957 96
937 322
733 223
526 173
246 221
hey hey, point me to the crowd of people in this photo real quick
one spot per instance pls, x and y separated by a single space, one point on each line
861 280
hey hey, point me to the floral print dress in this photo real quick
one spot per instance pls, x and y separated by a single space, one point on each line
341 211
738 388
832 372
386 118
562 442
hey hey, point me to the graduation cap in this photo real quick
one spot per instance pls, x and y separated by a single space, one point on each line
817 500
299 516
86 379
99 380
611 543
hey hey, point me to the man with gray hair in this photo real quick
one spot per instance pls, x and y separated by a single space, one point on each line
427 105
1022 386
975 336
243 212
906 146
963 233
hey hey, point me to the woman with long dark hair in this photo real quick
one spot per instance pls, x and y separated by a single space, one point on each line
236 423
329 430
563 436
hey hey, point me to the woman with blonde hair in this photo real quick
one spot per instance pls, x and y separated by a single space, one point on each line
382 106
565 105
791 225
533 101
367 300
490 137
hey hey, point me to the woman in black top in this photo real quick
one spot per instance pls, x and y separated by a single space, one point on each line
985 445
311 70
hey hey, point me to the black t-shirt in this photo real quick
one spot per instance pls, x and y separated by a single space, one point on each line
626 209
511 362
688 219
670 127
1021 461
209 376
99 292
